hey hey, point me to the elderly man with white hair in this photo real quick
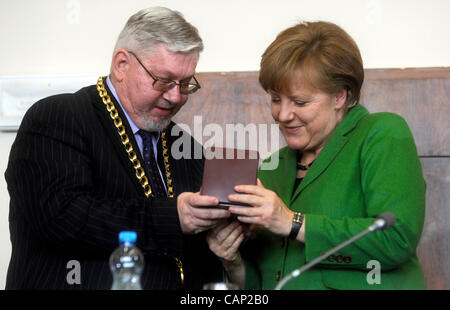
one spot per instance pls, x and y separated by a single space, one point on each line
88 165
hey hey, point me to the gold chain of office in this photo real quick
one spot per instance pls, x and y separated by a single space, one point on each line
140 172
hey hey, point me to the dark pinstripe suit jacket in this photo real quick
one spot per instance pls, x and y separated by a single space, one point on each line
73 188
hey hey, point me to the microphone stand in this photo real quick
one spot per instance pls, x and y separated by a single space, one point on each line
378 224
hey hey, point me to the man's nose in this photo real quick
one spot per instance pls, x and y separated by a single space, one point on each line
173 95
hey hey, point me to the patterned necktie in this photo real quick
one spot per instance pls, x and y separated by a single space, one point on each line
152 166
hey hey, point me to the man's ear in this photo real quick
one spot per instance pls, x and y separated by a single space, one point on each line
340 98
120 64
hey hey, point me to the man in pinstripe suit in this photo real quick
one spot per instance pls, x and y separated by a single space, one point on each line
76 174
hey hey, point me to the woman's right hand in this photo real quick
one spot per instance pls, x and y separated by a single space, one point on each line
224 241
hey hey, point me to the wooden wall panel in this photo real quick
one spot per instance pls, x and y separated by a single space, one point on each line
434 247
421 96
226 98
230 98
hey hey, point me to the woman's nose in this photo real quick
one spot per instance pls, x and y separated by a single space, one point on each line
285 114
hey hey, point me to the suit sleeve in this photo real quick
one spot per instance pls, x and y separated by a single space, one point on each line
53 183
391 180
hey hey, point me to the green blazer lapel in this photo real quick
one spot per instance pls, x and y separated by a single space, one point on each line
332 147
286 178
281 179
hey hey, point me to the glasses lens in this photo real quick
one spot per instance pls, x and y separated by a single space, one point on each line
185 88
161 85
188 88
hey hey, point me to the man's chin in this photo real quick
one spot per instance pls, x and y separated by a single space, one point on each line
152 125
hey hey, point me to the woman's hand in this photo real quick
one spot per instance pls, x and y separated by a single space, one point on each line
224 241
268 209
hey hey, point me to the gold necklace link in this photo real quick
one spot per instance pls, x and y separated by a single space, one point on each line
166 164
180 267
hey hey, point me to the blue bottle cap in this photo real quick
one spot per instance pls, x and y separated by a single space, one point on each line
127 236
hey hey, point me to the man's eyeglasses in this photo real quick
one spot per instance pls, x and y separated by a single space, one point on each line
164 85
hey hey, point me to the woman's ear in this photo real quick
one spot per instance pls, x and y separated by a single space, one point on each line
120 64
341 98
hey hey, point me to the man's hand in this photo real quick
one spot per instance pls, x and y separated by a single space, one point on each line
198 213
224 241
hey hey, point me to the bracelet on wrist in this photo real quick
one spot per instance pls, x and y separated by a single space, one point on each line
297 223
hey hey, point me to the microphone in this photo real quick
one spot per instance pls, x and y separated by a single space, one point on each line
382 222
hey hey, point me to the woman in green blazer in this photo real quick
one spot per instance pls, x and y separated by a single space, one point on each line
342 167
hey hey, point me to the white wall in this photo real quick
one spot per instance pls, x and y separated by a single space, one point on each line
76 37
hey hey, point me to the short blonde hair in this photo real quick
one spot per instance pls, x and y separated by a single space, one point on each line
320 52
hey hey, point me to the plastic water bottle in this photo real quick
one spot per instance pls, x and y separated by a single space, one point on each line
126 263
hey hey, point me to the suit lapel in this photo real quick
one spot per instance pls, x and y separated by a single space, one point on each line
332 148
113 135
